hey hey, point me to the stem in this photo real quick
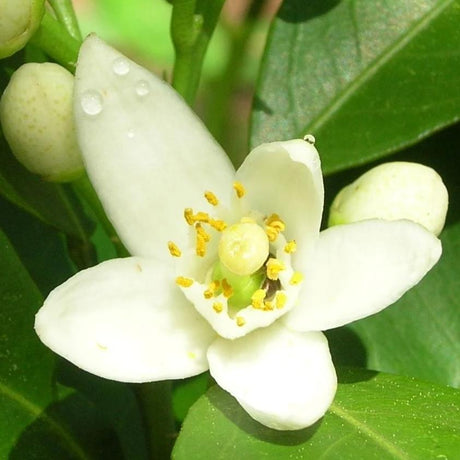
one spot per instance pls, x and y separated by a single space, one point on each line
155 401
54 40
85 190
66 16
192 25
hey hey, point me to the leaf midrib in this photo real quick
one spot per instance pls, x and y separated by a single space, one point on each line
37 412
378 439
368 72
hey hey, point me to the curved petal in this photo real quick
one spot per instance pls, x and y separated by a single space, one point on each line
125 320
359 269
148 156
283 379
285 178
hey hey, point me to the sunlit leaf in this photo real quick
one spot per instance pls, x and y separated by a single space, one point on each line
366 78
373 416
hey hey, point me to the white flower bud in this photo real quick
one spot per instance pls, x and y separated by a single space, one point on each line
19 19
37 120
393 191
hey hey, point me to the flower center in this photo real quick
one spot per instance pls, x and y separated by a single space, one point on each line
240 277
243 248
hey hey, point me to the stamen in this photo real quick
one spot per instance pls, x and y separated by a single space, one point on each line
257 298
217 224
290 247
211 198
272 233
280 299
218 307
188 214
184 282
274 267
240 321
202 232
239 189
173 249
268 305
201 217
200 245
212 288
227 289
274 218
296 278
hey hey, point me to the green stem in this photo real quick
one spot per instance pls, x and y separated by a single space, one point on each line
155 401
192 25
66 15
85 190
55 41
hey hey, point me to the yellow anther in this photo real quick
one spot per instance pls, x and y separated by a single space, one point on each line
296 278
202 232
201 217
279 225
257 298
218 225
173 249
188 214
184 282
280 300
240 321
212 288
272 233
273 218
274 267
227 289
218 307
208 294
290 247
200 245
268 305
212 199
239 189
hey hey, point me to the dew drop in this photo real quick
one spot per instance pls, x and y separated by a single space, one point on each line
120 66
91 102
142 88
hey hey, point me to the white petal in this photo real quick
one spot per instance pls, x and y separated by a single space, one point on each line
147 154
283 379
357 270
285 178
125 320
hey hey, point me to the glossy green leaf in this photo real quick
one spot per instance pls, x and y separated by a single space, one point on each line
35 423
366 78
373 416
419 335
51 203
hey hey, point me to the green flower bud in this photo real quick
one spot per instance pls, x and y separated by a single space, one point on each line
37 120
19 19
394 191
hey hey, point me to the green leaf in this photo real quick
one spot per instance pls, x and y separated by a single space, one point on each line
366 78
30 411
51 203
373 416
419 335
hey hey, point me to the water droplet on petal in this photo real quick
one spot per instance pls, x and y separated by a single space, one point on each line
142 88
120 66
91 102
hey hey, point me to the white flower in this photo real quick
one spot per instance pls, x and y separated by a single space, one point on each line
154 316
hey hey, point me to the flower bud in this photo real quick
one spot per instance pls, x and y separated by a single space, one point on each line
393 191
37 120
19 19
